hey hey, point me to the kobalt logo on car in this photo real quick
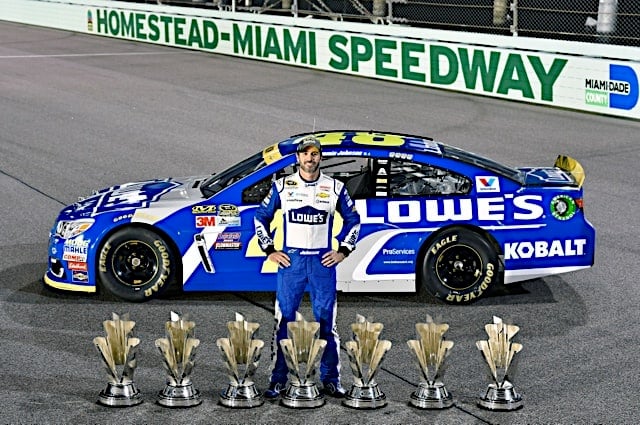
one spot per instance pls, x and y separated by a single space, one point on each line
544 249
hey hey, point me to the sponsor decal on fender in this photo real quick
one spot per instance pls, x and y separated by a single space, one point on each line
79 276
487 184
77 266
563 207
75 250
203 209
205 221
228 210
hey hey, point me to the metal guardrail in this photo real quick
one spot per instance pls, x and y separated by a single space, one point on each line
597 21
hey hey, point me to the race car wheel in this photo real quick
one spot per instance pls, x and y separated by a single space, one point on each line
459 266
135 265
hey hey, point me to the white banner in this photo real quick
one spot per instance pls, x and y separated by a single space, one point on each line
506 70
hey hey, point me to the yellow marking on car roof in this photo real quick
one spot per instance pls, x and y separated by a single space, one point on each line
271 154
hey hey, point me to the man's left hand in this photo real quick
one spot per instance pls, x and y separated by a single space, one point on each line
332 258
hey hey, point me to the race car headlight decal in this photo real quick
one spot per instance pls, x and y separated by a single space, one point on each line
67 229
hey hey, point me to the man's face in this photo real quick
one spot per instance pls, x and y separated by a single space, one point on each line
309 160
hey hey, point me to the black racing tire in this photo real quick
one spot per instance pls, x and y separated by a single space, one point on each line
136 264
459 266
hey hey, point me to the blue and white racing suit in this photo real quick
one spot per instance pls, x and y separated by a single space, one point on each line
308 210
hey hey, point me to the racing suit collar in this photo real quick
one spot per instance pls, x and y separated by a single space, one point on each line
310 182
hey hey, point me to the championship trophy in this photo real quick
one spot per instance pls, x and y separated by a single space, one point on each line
302 347
366 352
178 350
498 351
241 349
118 352
430 351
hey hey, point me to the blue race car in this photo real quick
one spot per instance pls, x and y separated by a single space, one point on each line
433 218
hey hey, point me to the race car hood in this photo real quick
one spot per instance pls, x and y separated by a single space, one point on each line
136 195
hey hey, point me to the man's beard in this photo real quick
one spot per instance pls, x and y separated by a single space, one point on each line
310 167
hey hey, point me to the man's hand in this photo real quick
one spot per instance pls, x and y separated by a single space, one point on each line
280 258
332 258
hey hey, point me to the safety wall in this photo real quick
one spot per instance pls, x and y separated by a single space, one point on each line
588 77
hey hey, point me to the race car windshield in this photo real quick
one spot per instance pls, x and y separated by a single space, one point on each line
219 181
471 158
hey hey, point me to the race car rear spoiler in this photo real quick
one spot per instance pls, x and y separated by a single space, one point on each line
572 167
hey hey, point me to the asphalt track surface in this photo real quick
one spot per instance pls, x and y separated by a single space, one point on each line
79 112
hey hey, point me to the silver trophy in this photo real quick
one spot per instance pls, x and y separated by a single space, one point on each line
302 352
498 352
241 349
366 352
430 351
178 350
118 351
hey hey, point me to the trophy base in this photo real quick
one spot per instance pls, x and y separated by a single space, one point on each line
365 397
431 396
179 396
302 396
241 396
502 399
120 395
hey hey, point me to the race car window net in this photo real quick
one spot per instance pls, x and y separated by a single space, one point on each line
219 181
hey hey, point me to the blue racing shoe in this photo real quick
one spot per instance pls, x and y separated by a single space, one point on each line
333 389
275 390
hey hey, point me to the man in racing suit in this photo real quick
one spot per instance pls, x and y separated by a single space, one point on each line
308 200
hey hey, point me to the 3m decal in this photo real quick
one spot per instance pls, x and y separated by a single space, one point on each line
205 221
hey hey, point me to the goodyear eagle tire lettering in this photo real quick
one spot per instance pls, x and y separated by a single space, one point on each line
135 265
459 267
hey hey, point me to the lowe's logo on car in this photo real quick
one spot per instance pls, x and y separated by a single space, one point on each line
308 215
544 249
523 208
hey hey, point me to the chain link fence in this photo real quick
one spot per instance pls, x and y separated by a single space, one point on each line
597 21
